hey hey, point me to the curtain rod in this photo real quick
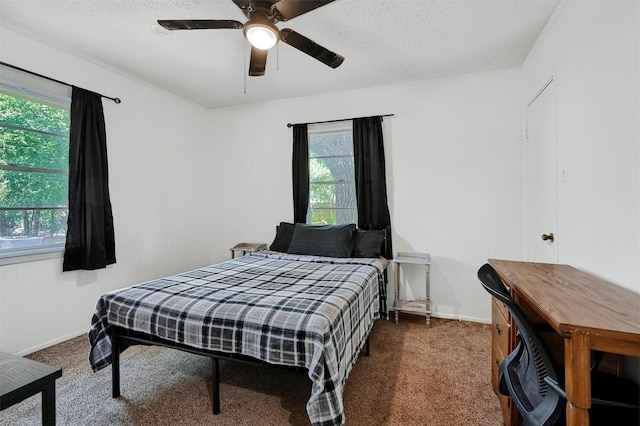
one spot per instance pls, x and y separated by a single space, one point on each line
116 100
342 119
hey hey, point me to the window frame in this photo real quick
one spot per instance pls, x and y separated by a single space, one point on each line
26 86
339 129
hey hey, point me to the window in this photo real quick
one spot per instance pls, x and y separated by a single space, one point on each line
332 189
34 164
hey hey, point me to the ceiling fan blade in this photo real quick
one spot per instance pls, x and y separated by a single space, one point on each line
245 5
258 62
199 24
311 48
288 9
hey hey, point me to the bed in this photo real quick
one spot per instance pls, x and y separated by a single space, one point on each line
307 303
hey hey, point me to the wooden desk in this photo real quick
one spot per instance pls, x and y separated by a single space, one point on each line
588 312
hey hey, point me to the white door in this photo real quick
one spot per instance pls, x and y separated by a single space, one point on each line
542 177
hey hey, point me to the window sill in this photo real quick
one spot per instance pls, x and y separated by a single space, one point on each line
32 255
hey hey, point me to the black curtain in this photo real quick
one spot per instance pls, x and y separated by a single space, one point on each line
90 240
370 174
300 169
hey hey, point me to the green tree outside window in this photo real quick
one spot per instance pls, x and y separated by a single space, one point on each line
34 165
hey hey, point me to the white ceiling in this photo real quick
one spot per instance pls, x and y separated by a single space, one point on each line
384 42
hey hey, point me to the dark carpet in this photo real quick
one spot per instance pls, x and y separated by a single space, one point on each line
415 375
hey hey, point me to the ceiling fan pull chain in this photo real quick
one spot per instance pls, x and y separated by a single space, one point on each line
244 68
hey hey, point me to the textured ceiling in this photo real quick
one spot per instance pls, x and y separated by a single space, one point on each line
384 42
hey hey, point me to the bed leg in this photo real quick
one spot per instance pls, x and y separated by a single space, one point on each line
216 386
367 348
115 367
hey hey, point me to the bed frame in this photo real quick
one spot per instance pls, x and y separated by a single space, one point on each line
122 338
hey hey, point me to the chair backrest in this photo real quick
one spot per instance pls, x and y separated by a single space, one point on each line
523 371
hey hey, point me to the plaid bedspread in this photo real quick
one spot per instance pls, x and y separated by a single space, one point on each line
301 311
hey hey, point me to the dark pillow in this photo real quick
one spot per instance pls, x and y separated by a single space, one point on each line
283 237
325 240
368 243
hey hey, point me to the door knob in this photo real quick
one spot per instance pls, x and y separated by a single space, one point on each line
546 237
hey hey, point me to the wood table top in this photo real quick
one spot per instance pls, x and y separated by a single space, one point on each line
18 375
571 299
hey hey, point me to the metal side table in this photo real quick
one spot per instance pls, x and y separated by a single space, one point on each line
416 307
245 248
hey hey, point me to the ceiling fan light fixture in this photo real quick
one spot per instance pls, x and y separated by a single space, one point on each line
261 35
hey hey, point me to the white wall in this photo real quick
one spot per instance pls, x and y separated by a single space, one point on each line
454 152
592 52
454 179
158 148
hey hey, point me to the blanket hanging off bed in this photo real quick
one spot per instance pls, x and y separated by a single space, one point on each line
301 311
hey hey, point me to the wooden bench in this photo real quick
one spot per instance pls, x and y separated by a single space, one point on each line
21 378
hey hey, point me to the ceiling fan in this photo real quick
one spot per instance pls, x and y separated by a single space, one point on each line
261 30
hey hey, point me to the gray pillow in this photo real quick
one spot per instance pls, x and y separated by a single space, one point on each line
368 243
325 240
283 237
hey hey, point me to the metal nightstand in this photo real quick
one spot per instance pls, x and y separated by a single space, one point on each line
416 307
246 248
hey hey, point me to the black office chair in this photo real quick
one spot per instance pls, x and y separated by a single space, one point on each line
530 376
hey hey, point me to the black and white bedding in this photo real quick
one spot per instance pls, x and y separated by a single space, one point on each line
313 312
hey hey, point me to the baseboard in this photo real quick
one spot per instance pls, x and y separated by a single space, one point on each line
462 318
452 317
86 330
53 342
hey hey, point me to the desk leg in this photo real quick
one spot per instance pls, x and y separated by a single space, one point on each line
49 405
577 357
